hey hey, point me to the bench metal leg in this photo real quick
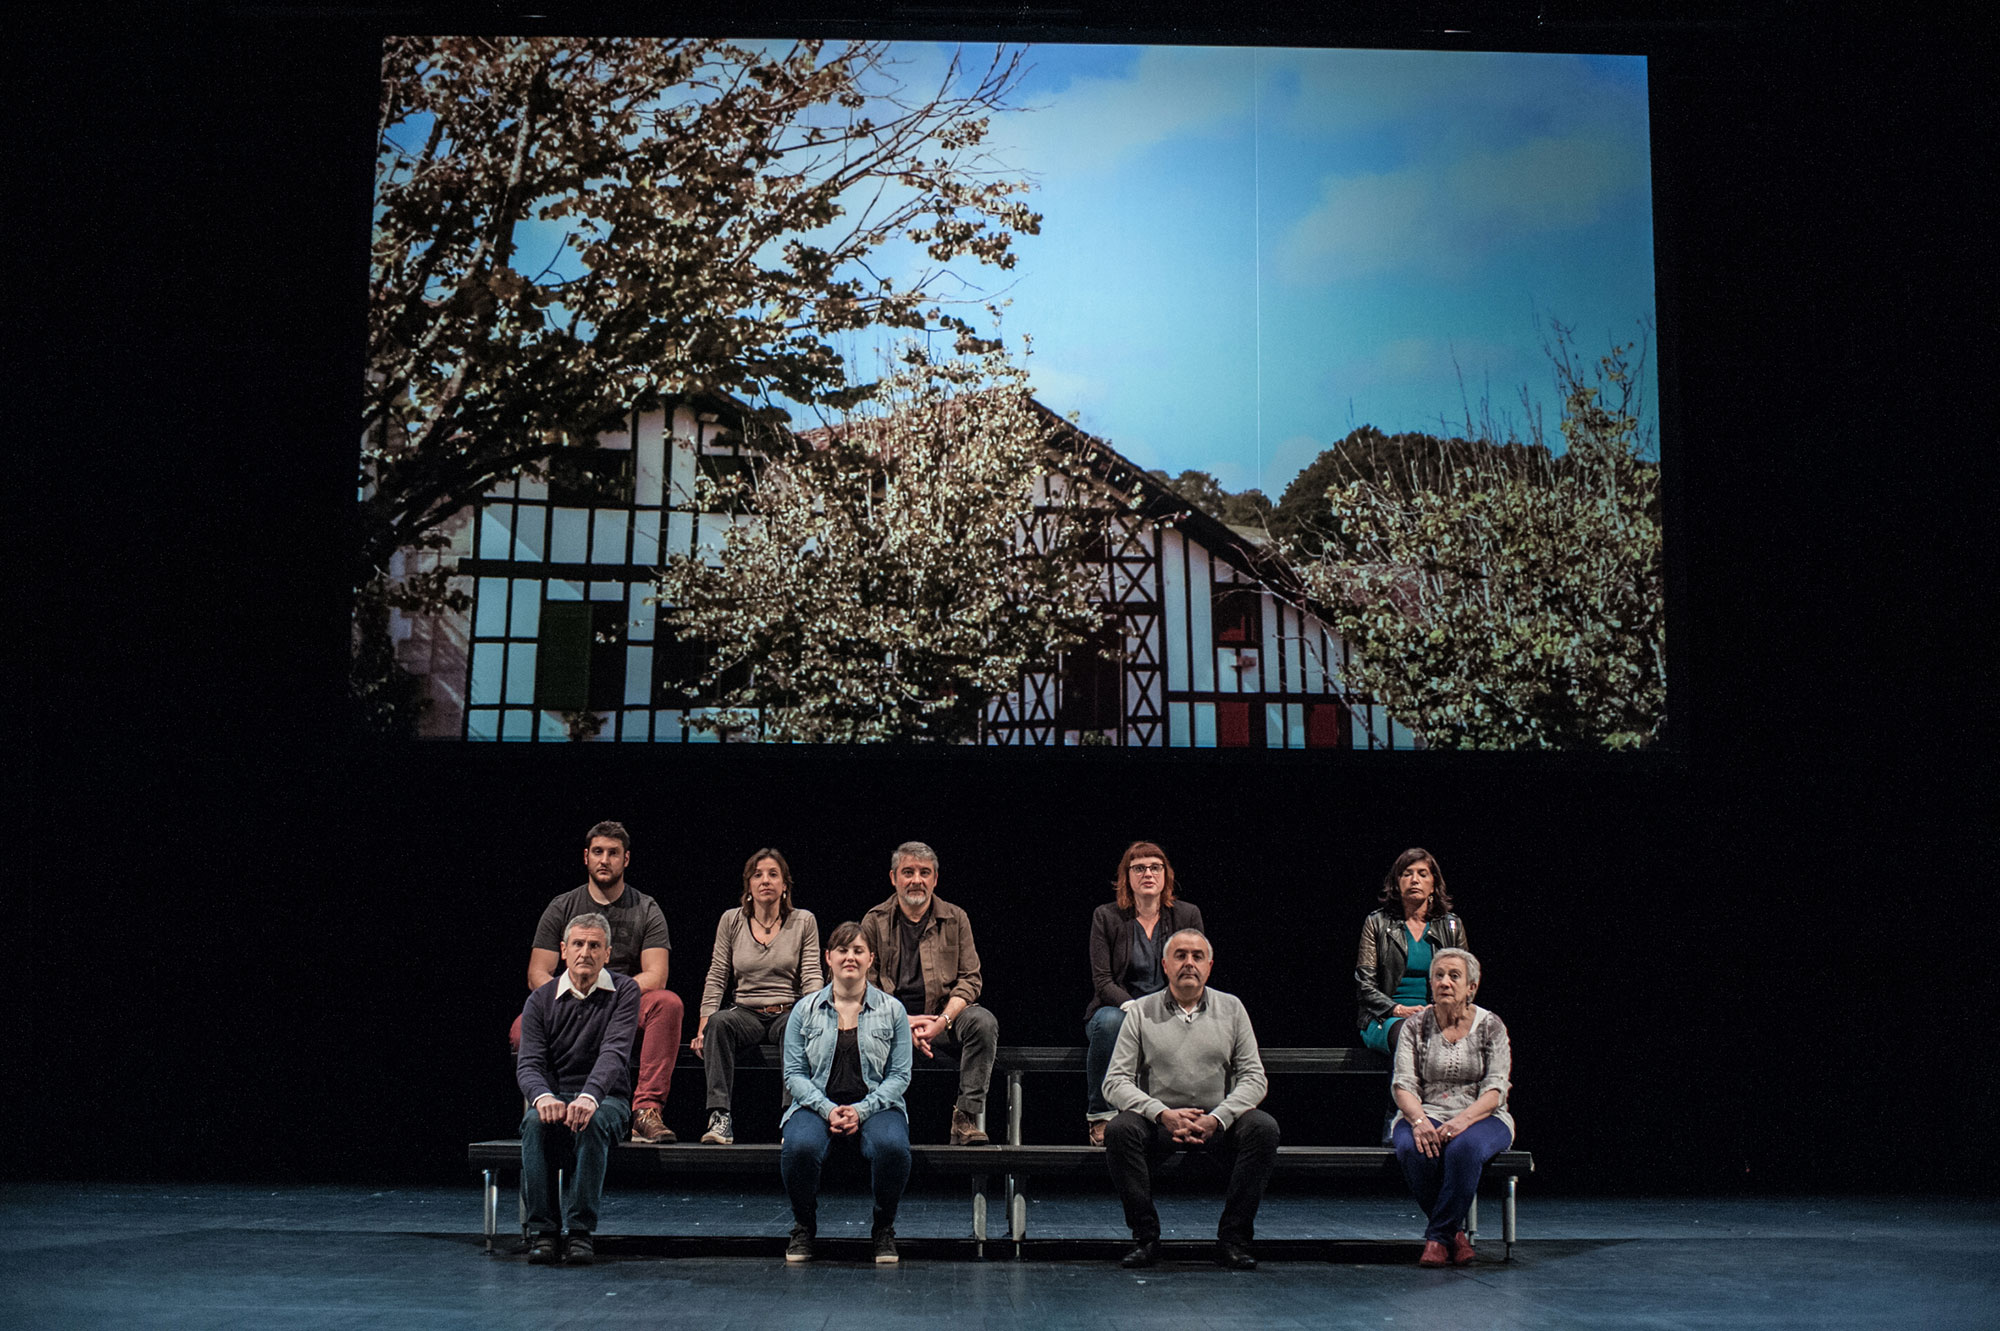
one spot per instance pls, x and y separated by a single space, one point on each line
1507 1219
1472 1218
1017 1211
489 1197
979 1184
1014 1108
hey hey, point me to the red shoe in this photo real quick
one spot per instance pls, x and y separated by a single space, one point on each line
1461 1250
1434 1254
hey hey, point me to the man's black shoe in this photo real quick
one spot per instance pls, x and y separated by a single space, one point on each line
581 1251
1146 1254
1234 1257
544 1250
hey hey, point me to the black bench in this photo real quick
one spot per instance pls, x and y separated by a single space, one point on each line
1011 1062
1001 1172
998 1173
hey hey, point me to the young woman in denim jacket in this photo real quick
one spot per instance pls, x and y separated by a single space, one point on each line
847 1064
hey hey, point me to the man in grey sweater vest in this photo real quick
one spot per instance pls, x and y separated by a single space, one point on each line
1186 1076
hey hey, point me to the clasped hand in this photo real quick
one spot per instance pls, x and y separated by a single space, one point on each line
844 1121
925 1029
575 1115
1432 1138
1190 1125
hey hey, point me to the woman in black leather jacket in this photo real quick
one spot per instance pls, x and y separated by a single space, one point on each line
1415 917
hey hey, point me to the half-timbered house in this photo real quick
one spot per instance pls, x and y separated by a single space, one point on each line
1208 641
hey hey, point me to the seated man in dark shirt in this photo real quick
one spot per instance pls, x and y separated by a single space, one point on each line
574 1070
639 950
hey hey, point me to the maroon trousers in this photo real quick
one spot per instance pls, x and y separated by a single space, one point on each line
660 1016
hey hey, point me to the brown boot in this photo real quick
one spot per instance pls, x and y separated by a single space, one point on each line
647 1126
965 1130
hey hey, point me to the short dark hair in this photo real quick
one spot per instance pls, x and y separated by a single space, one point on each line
847 931
1133 852
616 831
1392 900
784 872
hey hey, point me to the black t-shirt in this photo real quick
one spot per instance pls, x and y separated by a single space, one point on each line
910 963
636 924
844 1083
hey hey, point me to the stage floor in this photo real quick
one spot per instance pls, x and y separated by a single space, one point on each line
100 1255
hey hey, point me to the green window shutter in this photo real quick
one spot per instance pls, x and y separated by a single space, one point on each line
562 666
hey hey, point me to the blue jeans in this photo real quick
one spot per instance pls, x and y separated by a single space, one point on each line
547 1147
885 1144
1101 1033
1444 1184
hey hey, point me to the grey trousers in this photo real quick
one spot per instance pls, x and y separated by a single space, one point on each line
974 1039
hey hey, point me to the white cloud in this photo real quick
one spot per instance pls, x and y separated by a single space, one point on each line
1064 391
1096 122
1463 96
1446 217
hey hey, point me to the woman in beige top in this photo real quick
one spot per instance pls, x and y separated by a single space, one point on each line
766 959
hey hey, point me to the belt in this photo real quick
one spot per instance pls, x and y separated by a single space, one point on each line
772 1010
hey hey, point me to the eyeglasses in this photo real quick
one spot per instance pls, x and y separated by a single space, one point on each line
1148 867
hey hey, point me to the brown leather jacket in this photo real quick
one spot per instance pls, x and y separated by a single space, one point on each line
945 951
1385 954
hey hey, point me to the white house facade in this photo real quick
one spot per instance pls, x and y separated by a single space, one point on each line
1206 646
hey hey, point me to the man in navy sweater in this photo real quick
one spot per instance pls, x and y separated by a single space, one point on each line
575 1071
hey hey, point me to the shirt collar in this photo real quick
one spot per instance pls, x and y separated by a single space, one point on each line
1200 1004
604 982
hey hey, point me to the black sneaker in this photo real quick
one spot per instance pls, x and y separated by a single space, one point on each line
545 1250
800 1249
721 1132
885 1247
581 1252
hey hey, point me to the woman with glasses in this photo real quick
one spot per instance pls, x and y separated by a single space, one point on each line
1126 938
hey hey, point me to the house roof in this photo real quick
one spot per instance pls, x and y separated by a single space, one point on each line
1247 549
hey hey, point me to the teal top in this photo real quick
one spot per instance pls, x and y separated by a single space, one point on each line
1414 989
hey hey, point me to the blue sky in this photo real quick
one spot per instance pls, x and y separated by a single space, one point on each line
1245 253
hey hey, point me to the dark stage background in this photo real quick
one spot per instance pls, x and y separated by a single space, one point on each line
259 947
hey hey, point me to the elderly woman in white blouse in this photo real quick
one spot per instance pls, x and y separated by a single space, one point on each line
1452 1076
